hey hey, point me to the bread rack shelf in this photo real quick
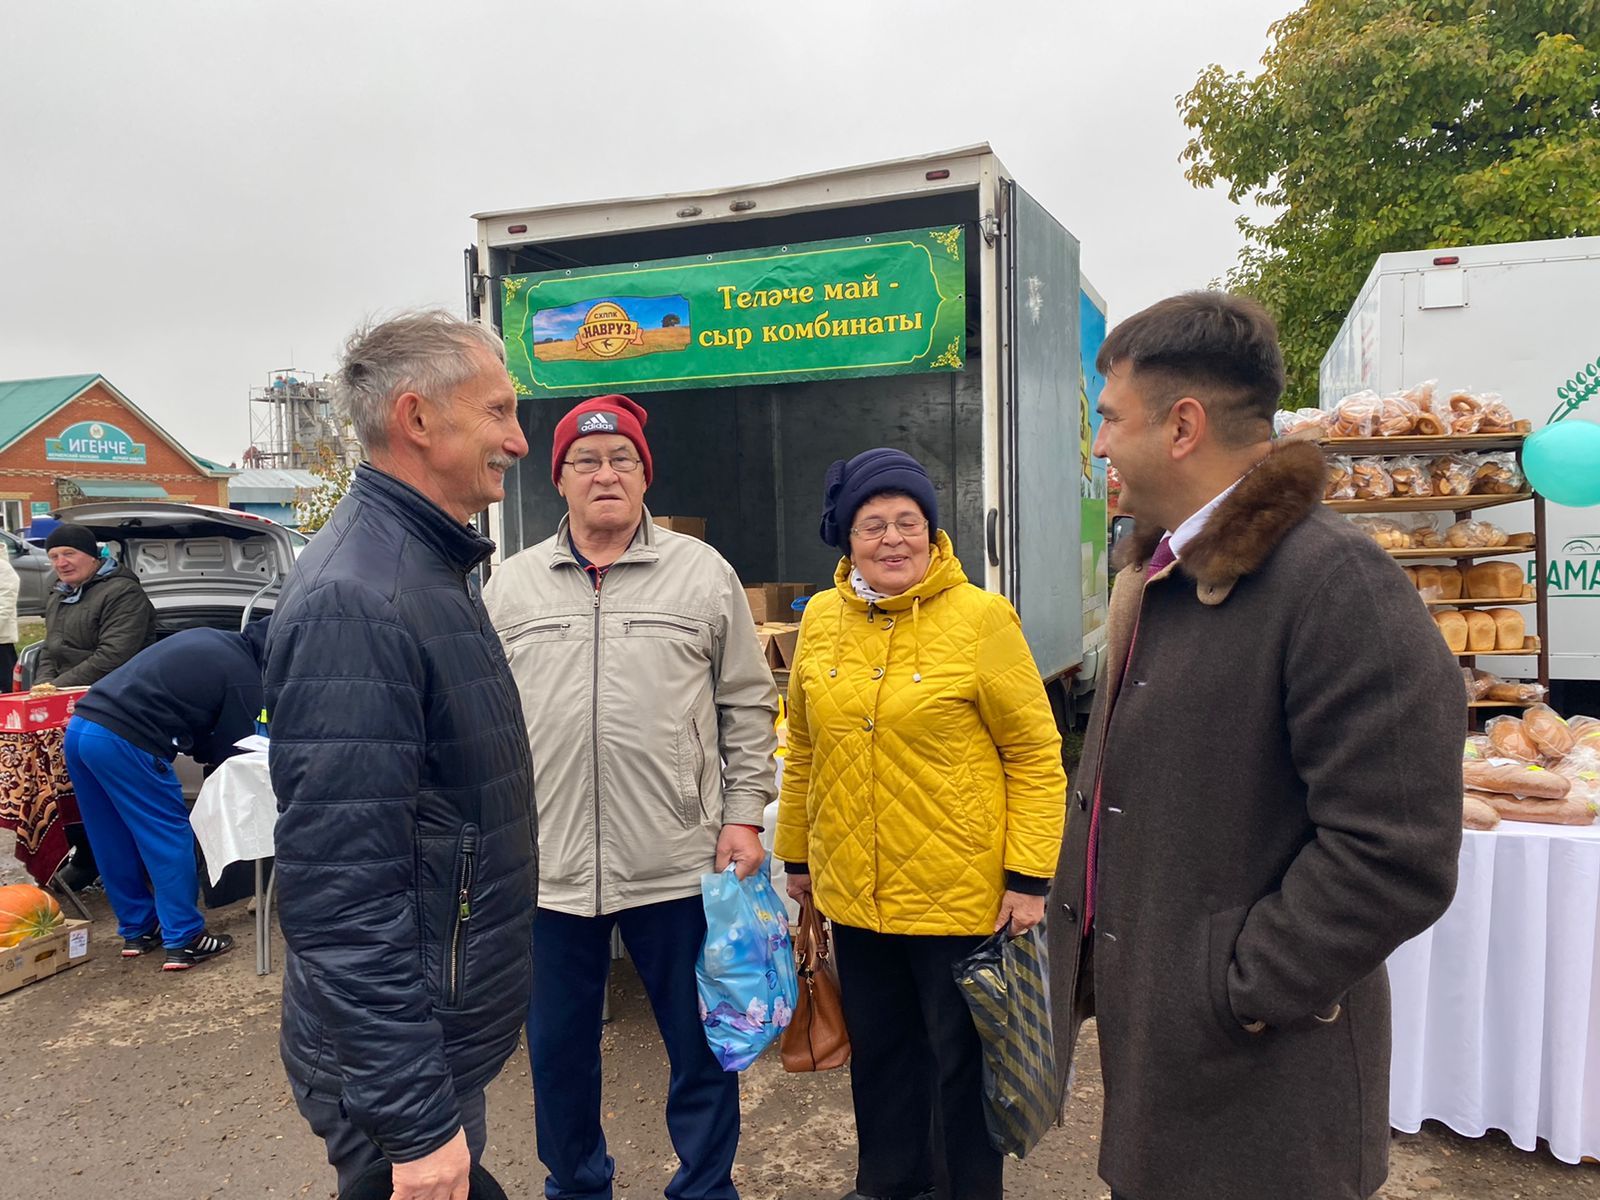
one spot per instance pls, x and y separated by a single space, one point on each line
1426 503
1463 507
1456 552
1464 443
1475 602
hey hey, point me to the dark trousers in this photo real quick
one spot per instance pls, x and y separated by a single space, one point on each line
8 664
82 850
351 1152
571 959
916 1068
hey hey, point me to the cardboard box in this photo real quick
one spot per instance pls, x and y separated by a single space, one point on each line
41 957
773 602
21 712
788 642
695 527
779 641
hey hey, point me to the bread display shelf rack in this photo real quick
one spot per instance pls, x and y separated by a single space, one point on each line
1453 552
1463 507
1427 503
1476 602
1465 443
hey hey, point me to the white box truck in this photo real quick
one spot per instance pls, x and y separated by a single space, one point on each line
1518 319
927 303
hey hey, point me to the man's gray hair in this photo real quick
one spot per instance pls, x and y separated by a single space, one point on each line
430 352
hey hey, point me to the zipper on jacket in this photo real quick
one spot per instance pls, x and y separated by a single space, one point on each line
699 766
458 932
657 624
529 631
594 736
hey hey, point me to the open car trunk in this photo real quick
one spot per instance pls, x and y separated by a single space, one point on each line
200 566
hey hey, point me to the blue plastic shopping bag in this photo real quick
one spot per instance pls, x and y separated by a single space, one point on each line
746 972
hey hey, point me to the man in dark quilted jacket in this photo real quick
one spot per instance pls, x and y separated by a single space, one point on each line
406 859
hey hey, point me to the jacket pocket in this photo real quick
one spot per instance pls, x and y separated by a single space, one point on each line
1222 935
691 764
547 629
964 799
660 627
455 957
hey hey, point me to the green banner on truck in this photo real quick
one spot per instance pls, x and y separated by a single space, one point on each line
889 304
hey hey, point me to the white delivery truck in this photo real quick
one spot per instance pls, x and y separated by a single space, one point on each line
1518 319
928 303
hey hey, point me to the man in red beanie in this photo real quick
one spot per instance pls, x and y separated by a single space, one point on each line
597 418
650 717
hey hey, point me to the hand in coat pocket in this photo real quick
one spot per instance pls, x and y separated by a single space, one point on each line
1223 930
1222 935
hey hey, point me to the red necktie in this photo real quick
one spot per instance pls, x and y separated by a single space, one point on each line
1159 561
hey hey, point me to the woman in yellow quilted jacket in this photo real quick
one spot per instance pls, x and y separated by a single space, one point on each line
922 810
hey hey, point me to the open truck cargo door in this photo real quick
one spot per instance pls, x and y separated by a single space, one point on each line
1041 568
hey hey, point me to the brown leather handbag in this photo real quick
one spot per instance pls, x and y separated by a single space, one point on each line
816 1039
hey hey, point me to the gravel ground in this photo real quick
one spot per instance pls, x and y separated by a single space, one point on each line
123 1082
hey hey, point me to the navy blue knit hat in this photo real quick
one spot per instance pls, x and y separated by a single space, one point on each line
849 485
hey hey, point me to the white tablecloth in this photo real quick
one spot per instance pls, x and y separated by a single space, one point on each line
1497 1007
234 814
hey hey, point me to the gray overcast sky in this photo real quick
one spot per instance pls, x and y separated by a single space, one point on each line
196 193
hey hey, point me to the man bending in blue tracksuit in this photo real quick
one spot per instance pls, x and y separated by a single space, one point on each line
196 693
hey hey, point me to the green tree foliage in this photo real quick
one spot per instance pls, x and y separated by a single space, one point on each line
315 507
1383 125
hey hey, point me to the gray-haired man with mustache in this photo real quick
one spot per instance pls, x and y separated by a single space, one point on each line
406 857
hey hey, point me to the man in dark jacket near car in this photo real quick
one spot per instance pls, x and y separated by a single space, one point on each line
1270 796
406 860
96 617
196 693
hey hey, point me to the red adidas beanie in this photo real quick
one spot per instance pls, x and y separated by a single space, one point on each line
603 414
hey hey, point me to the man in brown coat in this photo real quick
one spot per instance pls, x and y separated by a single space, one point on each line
1269 800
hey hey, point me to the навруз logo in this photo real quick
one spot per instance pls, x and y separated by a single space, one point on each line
608 330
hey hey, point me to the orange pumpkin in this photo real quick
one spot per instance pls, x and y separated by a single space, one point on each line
26 912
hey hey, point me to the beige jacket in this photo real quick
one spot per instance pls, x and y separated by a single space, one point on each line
10 589
650 713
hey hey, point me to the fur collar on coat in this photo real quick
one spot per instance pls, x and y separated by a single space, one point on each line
1279 493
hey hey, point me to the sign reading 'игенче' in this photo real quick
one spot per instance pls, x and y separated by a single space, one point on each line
889 304
94 441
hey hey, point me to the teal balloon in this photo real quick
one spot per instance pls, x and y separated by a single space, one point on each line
1562 462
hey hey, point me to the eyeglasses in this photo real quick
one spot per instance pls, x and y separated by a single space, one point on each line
622 464
871 531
